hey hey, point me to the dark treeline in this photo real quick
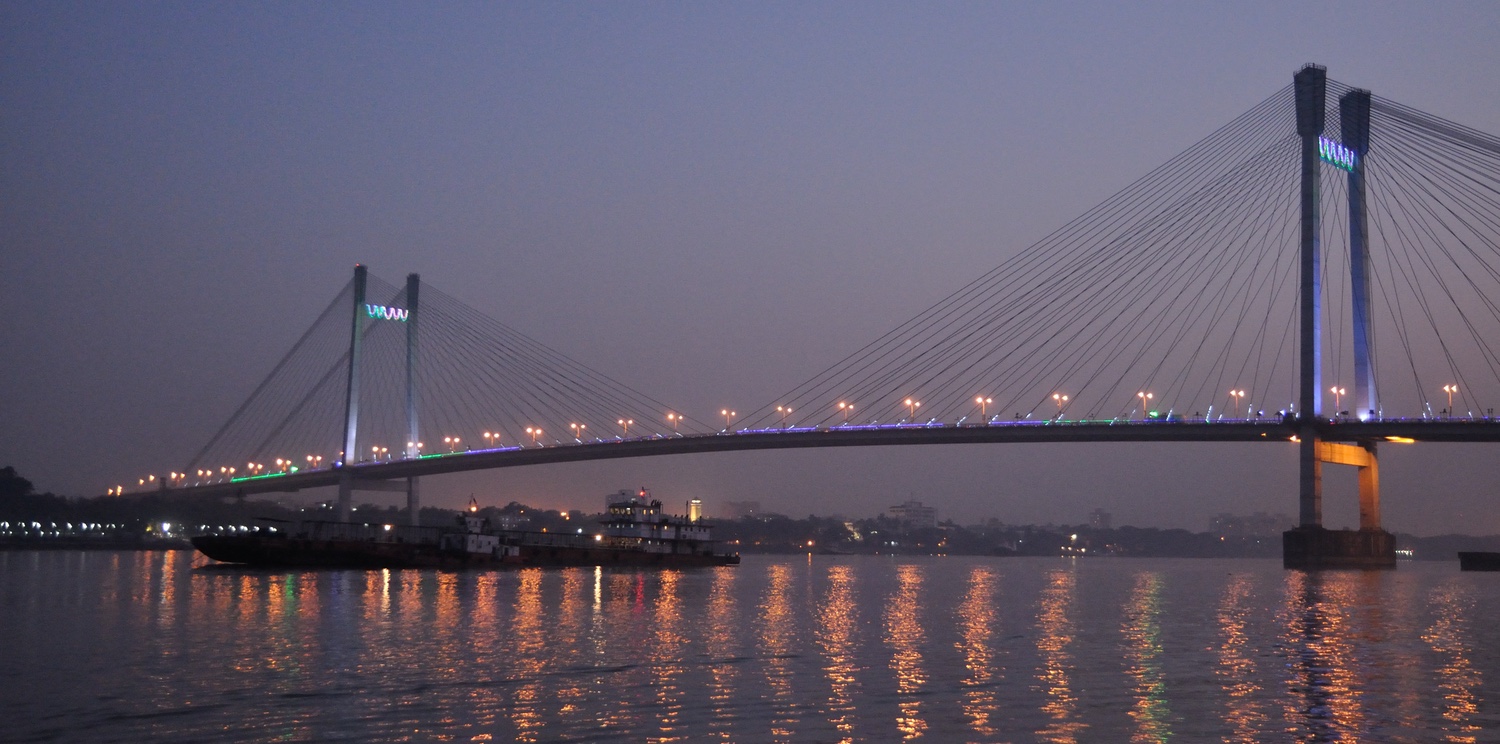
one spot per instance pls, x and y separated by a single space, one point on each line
22 507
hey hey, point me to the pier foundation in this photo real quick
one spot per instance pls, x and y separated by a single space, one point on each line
1312 548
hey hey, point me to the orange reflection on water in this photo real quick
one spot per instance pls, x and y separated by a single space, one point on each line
448 615
977 618
530 645
838 617
1236 664
1457 678
484 639
1323 693
569 638
666 659
1054 635
776 642
1143 650
721 636
905 635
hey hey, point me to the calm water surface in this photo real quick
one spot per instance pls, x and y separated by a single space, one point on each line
104 647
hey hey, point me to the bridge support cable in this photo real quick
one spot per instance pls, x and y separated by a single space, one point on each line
1168 269
477 384
1436 192
308 340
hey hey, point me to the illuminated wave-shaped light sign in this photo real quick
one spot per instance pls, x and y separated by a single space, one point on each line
381 312
1336 154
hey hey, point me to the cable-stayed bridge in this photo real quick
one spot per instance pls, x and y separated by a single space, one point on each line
1325 269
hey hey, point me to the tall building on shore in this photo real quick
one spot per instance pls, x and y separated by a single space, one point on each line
914 515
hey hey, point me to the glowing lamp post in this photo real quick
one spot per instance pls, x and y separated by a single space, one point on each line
984 405
1238 396
1061 401
1145 402
674 420
911 409
784 411
625 424
534 432
728 417
578 431
1338 396
1450 390
846 408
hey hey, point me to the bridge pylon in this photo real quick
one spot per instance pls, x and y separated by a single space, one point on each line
348 483
1310 545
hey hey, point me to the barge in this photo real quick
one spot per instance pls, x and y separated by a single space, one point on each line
634 532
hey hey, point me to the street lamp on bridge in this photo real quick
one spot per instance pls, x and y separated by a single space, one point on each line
578 431
1238 396
1061 401
625 424
911 409
728 417
846 408
674 419
1338 396
1450 390
984 405
783 410
534 432
1145 402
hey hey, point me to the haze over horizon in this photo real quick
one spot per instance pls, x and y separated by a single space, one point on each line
710 203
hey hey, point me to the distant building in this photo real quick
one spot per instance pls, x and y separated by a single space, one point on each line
1100 519
913 515
741 509
1259 524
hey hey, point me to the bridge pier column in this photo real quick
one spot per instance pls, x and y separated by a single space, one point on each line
413 502
346 497
1369 490
1312 546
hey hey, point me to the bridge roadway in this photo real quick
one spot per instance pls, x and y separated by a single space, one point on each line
1271 430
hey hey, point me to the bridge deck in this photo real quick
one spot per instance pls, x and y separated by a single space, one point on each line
1428 430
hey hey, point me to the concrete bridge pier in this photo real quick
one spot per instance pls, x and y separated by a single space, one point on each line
1311 546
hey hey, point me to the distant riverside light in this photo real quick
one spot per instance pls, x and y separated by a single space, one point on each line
380 312
1336 154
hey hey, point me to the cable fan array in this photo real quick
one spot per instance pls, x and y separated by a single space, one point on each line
1177 297
479 385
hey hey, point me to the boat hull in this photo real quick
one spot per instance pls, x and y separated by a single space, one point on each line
1478 561
293 552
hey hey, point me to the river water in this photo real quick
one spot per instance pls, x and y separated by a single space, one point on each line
131 647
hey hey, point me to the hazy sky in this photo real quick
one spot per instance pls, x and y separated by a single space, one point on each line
710 202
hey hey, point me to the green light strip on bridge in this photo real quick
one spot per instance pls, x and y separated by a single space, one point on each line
257 477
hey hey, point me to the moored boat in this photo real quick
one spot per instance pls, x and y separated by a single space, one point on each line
1475 560
635 532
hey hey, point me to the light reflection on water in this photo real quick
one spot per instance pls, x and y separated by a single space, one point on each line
905 637
1143 651
838 619
148 646
977 619
1054 637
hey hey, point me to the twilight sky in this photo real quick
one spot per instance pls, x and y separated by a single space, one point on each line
709 202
